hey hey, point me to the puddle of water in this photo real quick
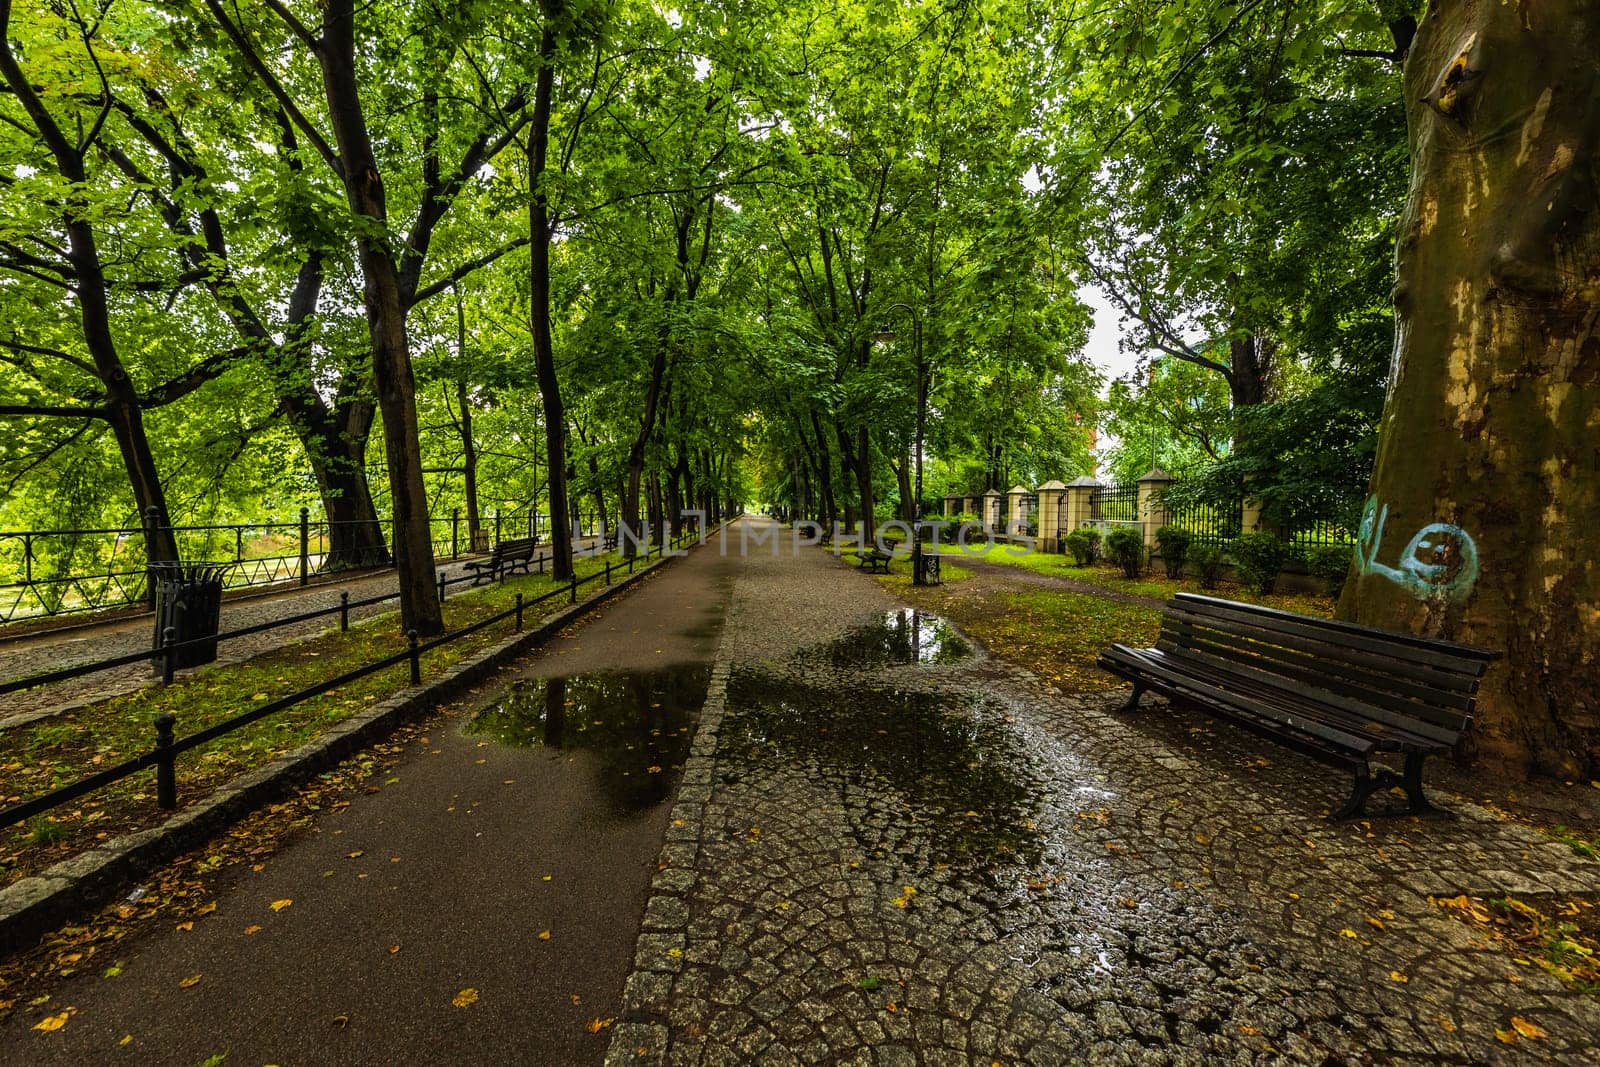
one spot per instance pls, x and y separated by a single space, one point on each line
636 725
904 635
915 771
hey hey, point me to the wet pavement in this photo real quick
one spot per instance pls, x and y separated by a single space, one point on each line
767 814
880 859
478 906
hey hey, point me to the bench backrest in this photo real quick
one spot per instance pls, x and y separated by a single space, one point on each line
516 546
1399 678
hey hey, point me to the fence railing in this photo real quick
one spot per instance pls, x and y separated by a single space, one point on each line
46 573
167 747
1114 503
1207 522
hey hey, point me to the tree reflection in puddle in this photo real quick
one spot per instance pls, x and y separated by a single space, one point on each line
637 725
901 636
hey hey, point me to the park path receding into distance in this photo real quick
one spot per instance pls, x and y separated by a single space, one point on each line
448 864
870 859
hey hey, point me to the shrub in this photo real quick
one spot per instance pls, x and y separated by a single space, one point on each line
1208 560
1331 563
1259 558
1084 546
1174 544
1125 548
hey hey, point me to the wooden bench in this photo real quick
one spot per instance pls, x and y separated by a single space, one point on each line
1334 690
506 557
874 560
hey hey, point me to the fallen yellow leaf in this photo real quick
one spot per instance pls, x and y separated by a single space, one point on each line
1505 1037
393 949
1527 1029
186 925
544 935
464 998
52 1023
1396 976
252 929
189 982
594 1026
1347 932
279 905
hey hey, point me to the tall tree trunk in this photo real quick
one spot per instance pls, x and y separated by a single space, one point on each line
1486 494
555 420
121 402
869 515
830 508
902 477
469 448
335 444
386 322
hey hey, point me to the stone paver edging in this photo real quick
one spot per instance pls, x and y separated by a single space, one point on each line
33 906
635 1039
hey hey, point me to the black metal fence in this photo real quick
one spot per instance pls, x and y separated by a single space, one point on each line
167 747
1209 522
46 573
1114 503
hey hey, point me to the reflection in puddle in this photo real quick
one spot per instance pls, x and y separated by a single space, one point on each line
964 792
638 725
905 635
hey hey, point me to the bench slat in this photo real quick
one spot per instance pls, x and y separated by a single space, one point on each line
1463 683
1416 651
1148 662
1446 708
1380 723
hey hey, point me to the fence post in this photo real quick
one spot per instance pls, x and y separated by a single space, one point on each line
1079 503
608 572
416 657
1052 507
519 612
572 590
497 526
166 769
169 637
441 587
238 543
1153 510
305 547
455 532
344 610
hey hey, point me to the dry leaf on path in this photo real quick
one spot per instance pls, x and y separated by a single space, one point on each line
52 1023
464 998
279 905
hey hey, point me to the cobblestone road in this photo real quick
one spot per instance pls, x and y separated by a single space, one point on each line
45 652
872 862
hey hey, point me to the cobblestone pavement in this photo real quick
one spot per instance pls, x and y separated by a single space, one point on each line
32 655
953 863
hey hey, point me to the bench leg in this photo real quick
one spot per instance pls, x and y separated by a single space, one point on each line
1412 784
1133 700
1365 785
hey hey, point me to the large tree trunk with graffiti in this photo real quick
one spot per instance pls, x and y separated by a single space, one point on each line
1486 496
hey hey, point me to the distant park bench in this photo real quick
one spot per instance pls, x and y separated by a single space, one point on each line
1334 690
873 560
506 557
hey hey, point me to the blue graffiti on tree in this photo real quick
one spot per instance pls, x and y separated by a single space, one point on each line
1439 563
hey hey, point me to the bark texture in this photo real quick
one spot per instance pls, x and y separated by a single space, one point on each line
1486 495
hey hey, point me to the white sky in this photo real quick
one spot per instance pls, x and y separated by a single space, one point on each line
1104 348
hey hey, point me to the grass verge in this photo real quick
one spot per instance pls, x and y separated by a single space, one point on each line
1055 634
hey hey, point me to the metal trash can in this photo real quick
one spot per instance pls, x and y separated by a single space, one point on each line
925 568
188 598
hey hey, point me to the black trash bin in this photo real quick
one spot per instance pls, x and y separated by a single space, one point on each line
925 568
188 598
